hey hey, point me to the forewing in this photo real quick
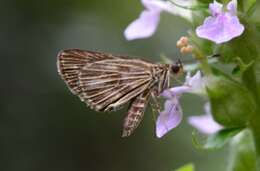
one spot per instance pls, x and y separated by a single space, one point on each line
108 84
135 113
70 63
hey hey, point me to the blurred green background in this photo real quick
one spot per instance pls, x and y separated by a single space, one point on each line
44 127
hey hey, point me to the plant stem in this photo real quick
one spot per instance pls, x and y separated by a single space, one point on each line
205 66
249 79
203 61
255 127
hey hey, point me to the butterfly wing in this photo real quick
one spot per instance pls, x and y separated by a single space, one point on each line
104 81
70 63
110 83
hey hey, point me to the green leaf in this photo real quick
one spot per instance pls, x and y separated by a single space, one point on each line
217 140
187 167
249 6
242 153
205 1
257 70
228 53
241 66
236 70
231 103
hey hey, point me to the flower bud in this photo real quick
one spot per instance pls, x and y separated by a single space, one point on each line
182 42
186 49
179 44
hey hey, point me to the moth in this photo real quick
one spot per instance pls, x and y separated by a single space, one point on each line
106 82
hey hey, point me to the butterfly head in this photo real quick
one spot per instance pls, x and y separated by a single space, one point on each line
177 67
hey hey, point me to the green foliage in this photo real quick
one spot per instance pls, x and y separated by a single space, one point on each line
217 140
231 103
247 6
235 97
242 153
187 167
205 1
241 67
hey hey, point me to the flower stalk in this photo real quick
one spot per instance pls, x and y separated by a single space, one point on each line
203 61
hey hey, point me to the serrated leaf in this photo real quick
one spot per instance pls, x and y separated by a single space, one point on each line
217 140
187 167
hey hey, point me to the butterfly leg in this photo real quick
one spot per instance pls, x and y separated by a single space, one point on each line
155 104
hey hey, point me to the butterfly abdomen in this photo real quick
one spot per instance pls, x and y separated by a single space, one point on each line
135 113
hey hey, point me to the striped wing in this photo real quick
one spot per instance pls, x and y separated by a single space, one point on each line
135 113
103 81
71 61
108 84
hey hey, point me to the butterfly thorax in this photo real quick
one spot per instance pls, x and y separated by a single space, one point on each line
161 77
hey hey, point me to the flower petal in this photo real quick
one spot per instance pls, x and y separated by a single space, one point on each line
215 8
169 118
220 29
167 94
196 82
152 4
175 10
205 123
232 7
144 26
179 90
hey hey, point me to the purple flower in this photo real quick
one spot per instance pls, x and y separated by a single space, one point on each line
205 123
223 25
146 24
172 114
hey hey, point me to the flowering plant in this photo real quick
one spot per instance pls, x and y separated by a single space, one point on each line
230 29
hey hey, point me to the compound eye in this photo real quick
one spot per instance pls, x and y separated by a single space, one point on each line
175 69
